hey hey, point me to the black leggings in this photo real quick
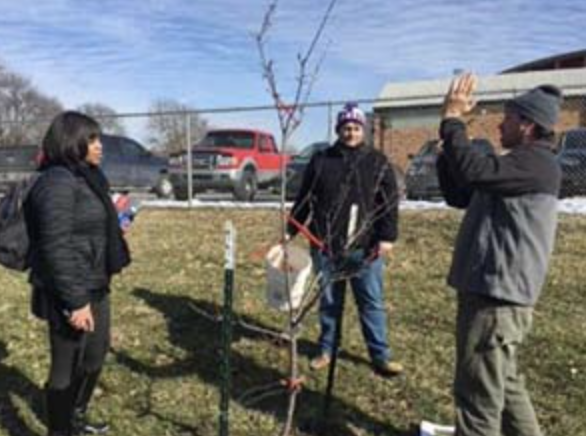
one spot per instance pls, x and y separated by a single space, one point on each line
75 353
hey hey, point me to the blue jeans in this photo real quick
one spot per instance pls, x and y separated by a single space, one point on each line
366 279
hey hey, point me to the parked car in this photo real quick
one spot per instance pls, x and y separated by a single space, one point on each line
16 164
230 160
296 168
421 178
129 166
299 162
572 159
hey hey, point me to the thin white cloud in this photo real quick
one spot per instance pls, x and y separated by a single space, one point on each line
127 53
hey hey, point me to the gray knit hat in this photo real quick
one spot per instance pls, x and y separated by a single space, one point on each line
540 105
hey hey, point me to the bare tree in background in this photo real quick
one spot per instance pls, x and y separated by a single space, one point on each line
290 113
25 113
167 128
106 116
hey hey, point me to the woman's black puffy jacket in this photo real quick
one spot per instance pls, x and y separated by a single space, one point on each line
67 226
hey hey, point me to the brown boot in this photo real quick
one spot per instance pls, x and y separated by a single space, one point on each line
389 368
320 362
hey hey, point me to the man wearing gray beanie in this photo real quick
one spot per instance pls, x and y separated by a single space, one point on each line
502 252
541 105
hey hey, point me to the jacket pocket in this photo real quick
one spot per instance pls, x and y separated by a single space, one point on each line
511 326
91 253
98 253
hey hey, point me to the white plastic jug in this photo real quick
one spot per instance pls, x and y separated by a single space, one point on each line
428 428
298 270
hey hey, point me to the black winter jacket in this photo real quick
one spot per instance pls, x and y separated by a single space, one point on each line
337 178
68 229
506 238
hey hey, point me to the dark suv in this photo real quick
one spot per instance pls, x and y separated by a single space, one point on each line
296 168
572 159
126 163
421 179
16 164
131 167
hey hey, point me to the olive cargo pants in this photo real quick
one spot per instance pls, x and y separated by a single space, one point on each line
490 395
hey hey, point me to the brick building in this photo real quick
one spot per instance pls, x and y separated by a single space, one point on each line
409 114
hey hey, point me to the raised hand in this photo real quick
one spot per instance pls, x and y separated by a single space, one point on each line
458 100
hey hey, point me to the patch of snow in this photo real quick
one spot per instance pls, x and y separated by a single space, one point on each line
423 205
572 206
211 204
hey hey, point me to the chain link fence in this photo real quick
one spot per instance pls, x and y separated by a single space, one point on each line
404 126
239 150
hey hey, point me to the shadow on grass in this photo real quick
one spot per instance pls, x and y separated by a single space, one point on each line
15 383
199 335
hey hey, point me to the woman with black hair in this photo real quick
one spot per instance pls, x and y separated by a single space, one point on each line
76 248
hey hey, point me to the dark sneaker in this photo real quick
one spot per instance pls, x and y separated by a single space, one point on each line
81 426
320 362
389 368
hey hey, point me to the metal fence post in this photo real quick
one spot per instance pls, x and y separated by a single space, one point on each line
189 159
330 121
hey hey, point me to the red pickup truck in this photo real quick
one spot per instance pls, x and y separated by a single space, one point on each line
231 160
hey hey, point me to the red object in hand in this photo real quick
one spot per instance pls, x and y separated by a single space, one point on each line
305 232
124 209
121 202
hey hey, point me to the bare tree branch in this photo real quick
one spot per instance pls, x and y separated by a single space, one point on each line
21 108
167 132
290 115
106 115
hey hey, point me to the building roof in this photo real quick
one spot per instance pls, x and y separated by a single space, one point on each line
490 88
574 59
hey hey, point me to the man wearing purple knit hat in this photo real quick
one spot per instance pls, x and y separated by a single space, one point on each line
349 196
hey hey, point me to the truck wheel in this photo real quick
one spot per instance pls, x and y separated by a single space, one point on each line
181 195
164 188
247 186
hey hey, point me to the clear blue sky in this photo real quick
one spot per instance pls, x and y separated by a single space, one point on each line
127 53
